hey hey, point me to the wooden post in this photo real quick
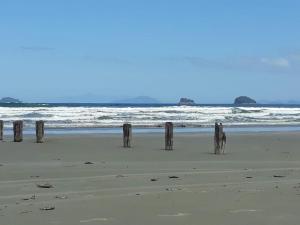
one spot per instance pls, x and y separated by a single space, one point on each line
127 135
18 131
169 136
1 130
39 131
217 139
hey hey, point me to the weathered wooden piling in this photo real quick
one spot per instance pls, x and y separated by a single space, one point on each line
39 131
169 136
1 130
127 135
217 139
18 130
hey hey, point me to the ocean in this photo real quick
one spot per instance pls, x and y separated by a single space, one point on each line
86 117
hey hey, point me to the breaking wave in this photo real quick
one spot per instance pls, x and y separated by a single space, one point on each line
146 116
36 115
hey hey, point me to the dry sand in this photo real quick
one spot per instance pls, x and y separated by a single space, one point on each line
132 186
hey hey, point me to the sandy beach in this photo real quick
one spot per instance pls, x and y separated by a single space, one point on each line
94 180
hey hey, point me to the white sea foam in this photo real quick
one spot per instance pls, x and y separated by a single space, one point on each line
190 116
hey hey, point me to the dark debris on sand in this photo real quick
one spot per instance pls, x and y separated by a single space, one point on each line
173 189
47 208
46 185
33 197
61 197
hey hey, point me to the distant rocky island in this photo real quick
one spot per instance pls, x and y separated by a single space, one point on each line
244 100
9 100
186 101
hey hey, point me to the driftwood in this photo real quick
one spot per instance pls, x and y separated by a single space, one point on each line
39 130
1 130
169 136
127 135
18 130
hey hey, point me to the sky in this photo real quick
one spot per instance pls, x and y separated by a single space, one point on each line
107 50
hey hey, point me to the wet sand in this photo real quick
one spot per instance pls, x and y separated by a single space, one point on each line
96 181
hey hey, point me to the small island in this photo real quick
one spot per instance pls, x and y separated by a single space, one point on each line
9 100
244 100
186 101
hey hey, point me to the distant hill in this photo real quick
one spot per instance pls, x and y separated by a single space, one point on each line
138 100
244 100
186 101
9 100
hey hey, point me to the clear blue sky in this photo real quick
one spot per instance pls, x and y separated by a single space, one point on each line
94 50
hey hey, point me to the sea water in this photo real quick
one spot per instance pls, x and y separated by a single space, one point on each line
100 117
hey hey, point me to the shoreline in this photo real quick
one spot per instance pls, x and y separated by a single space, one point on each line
145 130
118 138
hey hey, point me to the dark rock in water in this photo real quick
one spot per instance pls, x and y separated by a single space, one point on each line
186 101
9 100
244 100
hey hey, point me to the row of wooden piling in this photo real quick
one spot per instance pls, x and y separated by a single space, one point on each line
127 133
18 130
219 137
